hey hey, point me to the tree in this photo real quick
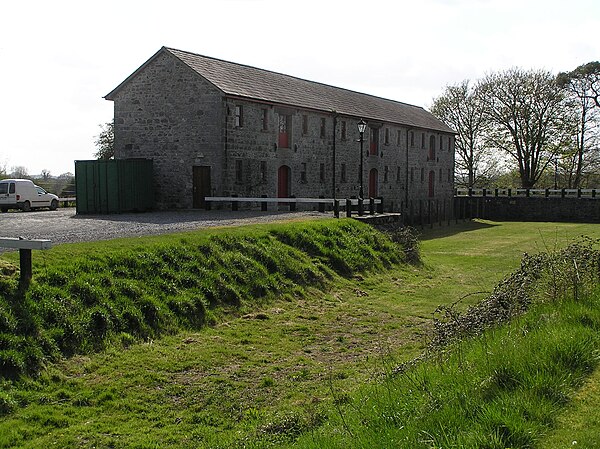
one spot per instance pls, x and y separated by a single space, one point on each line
105 142
19 172
526 113
461 109
583 86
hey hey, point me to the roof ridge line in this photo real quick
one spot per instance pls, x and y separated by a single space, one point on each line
171 49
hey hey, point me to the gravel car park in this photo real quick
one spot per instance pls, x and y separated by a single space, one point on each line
64 226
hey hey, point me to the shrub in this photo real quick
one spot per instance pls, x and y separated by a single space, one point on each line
7 403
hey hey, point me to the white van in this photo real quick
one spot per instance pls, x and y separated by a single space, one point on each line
25 195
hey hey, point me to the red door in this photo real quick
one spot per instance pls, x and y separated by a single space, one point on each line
283 182
373 181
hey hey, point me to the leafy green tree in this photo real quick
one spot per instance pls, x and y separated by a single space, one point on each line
105 142
526 112
461 109
583 87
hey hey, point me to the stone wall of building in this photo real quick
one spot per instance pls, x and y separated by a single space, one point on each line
254 155
170 114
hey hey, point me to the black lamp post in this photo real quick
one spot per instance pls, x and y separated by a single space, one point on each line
362 126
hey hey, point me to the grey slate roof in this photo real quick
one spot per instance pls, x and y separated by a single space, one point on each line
264 85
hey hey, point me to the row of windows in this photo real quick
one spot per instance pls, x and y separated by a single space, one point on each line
285 125
239 173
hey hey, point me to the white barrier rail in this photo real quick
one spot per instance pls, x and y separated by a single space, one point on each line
25 246
235 199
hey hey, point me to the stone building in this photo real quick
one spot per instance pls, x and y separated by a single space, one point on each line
217 128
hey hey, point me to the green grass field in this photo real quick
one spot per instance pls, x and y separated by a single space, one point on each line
272 367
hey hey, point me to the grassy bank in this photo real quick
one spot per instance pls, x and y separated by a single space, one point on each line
504 388
84 297
278 366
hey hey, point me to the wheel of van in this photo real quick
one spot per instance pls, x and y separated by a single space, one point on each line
53 205
4 209
26 206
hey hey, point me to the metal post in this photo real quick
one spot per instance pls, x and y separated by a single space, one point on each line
361 131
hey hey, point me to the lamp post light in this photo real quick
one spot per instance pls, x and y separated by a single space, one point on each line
362 126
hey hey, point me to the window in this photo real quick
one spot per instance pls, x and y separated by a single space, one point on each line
398 173
322 172
305 125
386 172
239 171
343 130
239 116
343 173
422 140
440 178
431 184
398 138
431 156
323 128
303 172
422 174
265 119
412 139
387 136
285 122
374 142
441 143
449 175
449 143
263 171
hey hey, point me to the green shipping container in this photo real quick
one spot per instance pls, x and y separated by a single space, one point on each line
114 186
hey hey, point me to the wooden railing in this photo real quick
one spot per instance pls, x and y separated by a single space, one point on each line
373 204
67 199
24 246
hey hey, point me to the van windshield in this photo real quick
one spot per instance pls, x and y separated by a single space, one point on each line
3 188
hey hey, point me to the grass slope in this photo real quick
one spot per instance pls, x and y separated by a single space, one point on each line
265 376
86 296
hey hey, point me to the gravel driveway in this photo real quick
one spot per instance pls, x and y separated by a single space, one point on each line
63 226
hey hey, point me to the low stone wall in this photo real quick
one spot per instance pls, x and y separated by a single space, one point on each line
578 210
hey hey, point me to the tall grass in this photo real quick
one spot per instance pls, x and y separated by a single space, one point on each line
487 386
110 296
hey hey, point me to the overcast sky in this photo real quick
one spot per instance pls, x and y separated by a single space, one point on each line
59 58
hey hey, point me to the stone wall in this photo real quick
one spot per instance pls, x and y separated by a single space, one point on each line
582 210
310 156
170 114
